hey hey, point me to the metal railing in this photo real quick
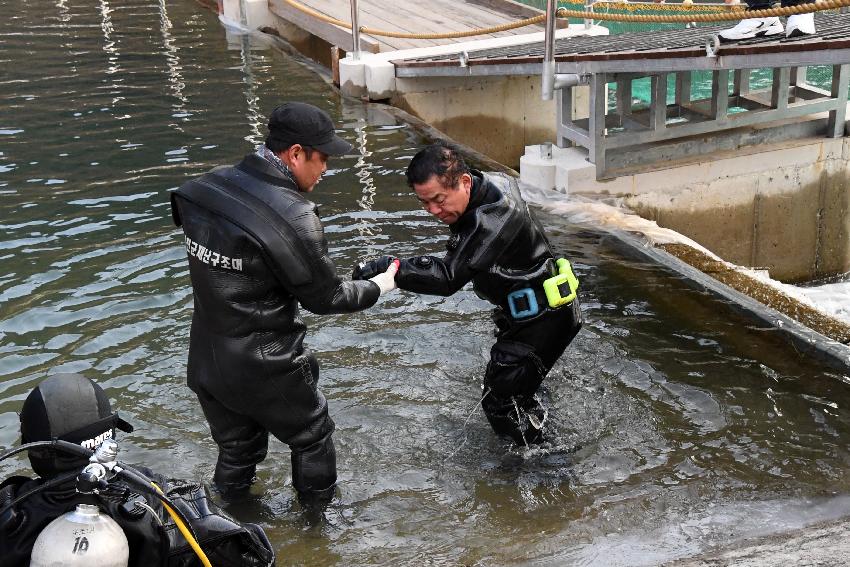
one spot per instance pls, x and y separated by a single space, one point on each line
552 81
355 30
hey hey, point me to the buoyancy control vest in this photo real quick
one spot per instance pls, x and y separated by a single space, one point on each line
153 541
496 243
256 249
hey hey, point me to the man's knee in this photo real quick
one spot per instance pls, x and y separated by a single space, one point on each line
242 445
514 369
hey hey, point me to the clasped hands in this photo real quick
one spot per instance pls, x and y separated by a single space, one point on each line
382 271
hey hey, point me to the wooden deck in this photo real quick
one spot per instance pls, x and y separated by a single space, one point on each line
441 16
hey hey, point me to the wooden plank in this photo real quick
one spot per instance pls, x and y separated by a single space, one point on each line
481 17
335 64
509 7
444 16
378 17
410 21
454 17
387 15
367 19
328 32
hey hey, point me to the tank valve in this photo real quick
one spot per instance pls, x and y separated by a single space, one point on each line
106 453
92 479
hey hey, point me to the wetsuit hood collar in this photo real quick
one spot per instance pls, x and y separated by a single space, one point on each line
476 195
259 167
476 198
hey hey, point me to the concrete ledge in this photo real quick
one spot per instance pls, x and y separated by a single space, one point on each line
804 339
783 207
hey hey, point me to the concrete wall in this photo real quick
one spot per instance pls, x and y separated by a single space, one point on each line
784 207
497 116
250 14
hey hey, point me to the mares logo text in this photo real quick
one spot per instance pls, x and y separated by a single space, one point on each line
93 443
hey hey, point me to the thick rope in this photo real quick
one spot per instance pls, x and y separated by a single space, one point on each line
318 15
720 17
660 7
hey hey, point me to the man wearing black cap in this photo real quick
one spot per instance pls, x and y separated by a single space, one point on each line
72 408
500 247
256 250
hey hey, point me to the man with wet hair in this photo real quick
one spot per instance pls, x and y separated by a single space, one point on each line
73 408
256 250
496 244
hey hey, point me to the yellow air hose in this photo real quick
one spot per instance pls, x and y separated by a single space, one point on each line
193 543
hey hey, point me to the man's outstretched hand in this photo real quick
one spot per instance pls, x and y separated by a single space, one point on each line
371 268
386 279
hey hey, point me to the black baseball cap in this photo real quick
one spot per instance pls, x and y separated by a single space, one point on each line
72 408
302 123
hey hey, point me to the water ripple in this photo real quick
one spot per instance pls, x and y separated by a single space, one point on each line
672 421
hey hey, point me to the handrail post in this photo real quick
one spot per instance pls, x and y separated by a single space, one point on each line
355 30
548 86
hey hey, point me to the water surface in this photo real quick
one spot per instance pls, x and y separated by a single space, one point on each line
676 425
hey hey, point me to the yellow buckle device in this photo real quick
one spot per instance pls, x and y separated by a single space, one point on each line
561 289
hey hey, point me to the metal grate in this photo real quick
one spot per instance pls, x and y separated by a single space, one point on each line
833 32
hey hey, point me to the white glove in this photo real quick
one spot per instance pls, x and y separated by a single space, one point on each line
386 281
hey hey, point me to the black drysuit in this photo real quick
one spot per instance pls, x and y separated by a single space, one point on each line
256 250
499 246
153 541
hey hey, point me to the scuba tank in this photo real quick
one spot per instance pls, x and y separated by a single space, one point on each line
84 537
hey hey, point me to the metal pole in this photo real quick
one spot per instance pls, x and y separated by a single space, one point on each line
588 7
551 80
548 87
355 30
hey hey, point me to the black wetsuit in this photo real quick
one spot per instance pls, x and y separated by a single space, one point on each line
256 250
499 246
153 542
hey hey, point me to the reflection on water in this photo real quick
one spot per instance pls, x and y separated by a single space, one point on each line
675 424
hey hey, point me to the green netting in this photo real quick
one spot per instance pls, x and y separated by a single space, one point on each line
760 79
